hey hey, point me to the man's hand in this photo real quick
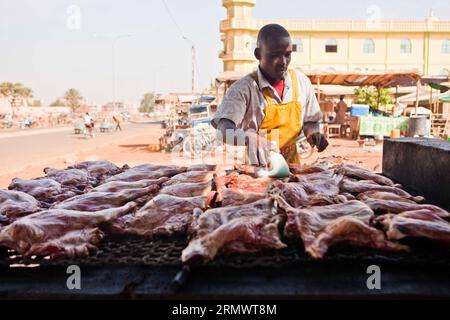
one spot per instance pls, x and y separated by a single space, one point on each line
317 139
259 149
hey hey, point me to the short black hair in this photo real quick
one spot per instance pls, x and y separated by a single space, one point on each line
270 32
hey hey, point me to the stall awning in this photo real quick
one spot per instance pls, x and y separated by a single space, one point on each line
384 79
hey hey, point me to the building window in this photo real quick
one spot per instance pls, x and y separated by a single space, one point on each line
405 46
331 45
369 46
357 70
446 46
297 45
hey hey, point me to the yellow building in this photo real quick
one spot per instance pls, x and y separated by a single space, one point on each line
349 46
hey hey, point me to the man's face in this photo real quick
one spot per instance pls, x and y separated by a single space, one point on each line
274 58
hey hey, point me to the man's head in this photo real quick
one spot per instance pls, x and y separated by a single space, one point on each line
341 98
273 50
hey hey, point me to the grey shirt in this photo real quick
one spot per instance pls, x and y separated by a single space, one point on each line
244 102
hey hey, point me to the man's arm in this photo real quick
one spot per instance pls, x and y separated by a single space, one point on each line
258 148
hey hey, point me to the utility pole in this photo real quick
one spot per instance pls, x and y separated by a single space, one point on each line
193 63
193 68
113 61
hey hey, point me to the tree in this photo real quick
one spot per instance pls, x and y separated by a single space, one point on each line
372 96
15 92
148 102
57 103
73 99
37 103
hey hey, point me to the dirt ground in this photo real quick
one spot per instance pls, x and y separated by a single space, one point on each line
138 153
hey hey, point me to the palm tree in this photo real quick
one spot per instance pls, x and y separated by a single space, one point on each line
15 92
73 98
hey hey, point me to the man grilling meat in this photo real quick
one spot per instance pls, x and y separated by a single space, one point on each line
271 106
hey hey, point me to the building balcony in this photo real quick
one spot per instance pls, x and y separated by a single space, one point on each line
227 3
241 56
236 24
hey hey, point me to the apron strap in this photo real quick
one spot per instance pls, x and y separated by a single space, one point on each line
294 80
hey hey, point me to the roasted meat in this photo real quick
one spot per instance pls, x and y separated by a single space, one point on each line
236 229
59 232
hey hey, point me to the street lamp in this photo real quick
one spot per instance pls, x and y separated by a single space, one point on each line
113 62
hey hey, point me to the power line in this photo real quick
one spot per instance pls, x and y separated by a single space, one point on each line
173 19
194 56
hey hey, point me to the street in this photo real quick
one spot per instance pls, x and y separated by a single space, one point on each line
27 151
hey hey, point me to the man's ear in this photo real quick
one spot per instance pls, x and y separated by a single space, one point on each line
257 53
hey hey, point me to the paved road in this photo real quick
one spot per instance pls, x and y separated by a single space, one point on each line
20 151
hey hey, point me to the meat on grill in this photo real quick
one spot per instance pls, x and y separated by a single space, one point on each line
248 183
299 169
391 206
236 197
356 187
116 186
320 228
45 190
242 184
73 178
202 167
308 177
422 223
383 195
164 215
59 232
147 171
188 189
15 204
306 194
363 174
95 201
100 170
237 229
190 177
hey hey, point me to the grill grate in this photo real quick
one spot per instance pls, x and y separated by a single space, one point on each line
167 251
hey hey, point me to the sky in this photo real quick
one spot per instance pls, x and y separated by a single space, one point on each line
53 45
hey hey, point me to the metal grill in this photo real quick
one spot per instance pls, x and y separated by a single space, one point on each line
167 252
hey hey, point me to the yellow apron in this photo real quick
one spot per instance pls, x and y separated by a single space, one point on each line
286 118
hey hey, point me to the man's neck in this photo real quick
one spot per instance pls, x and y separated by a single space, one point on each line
269 79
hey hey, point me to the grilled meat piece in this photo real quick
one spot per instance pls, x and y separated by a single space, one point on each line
72 178
95 201
202 167
188 189
147 171
383 195
116 186
356 187
309 193
100 170
59 232
353 171
237 197
190 177
391 206
163 215
422 223
323 227
15 204
237 229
